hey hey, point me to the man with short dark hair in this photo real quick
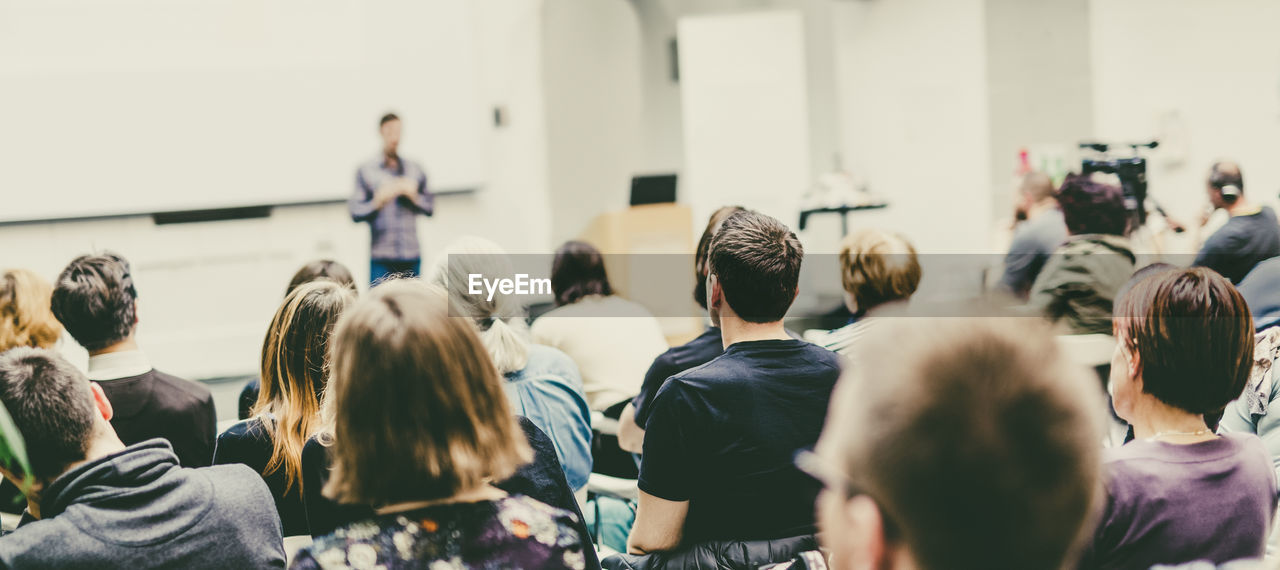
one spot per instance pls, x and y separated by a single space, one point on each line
720 437
1250 236
959 444
390 193
94 503
95 299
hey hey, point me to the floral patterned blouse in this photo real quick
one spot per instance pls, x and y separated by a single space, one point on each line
512 532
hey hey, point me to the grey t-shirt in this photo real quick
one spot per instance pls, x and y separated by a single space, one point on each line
1172 504
1033 242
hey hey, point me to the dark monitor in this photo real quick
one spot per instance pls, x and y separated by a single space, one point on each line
653 189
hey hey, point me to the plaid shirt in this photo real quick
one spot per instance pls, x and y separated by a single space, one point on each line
394 226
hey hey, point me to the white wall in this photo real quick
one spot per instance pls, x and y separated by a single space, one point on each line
914 119
1215 66
207 291
591 77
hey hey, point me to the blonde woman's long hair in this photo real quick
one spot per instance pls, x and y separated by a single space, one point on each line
26 318
295 369
498 317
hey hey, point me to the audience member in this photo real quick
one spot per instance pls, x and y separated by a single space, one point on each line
1251 234
972 446
295 370
95 503
1040 230
613 353
25 320
1261 290
541 383
879 271
717 461
25 315
322 269
1180 493
676 359
1079 281
96 301
443 431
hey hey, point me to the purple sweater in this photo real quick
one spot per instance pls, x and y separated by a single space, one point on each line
1170 504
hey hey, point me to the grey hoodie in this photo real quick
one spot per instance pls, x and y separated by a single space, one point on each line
138 509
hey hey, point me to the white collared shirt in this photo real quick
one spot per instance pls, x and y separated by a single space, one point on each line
115 365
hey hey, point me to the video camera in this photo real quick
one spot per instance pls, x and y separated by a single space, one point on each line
1132 171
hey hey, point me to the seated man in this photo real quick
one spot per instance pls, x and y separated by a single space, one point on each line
975 445
676 359
718 448
1250 236
879 271
96 301
94 503
1039 232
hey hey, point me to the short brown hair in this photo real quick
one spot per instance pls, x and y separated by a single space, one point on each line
95 299
26 318
51 405
877 267
704 247
1193 335
419 411
757 262
977 438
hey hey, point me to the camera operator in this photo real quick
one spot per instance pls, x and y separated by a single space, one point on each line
1251 234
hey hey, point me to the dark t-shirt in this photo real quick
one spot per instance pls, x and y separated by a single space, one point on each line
248 442
1171 504
1242 243
156 404
675 360
723 436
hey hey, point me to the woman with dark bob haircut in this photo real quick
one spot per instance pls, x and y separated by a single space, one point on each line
421 428
1178 492
612 339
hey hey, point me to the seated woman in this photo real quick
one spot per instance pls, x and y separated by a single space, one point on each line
613 340
879 271
287 412
1079 282
320 269
420 428
1178 492
541 383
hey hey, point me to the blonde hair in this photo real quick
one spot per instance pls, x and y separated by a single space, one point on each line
26 317
295 369
877 267
419 411
498 319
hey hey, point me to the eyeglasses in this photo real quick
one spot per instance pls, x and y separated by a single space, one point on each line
815 466
831 477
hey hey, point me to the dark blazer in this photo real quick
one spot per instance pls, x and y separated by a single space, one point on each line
542 480
156 404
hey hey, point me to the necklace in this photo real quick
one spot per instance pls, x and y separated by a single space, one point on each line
1196 433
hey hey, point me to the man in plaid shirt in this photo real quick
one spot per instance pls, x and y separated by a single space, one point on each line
390 193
